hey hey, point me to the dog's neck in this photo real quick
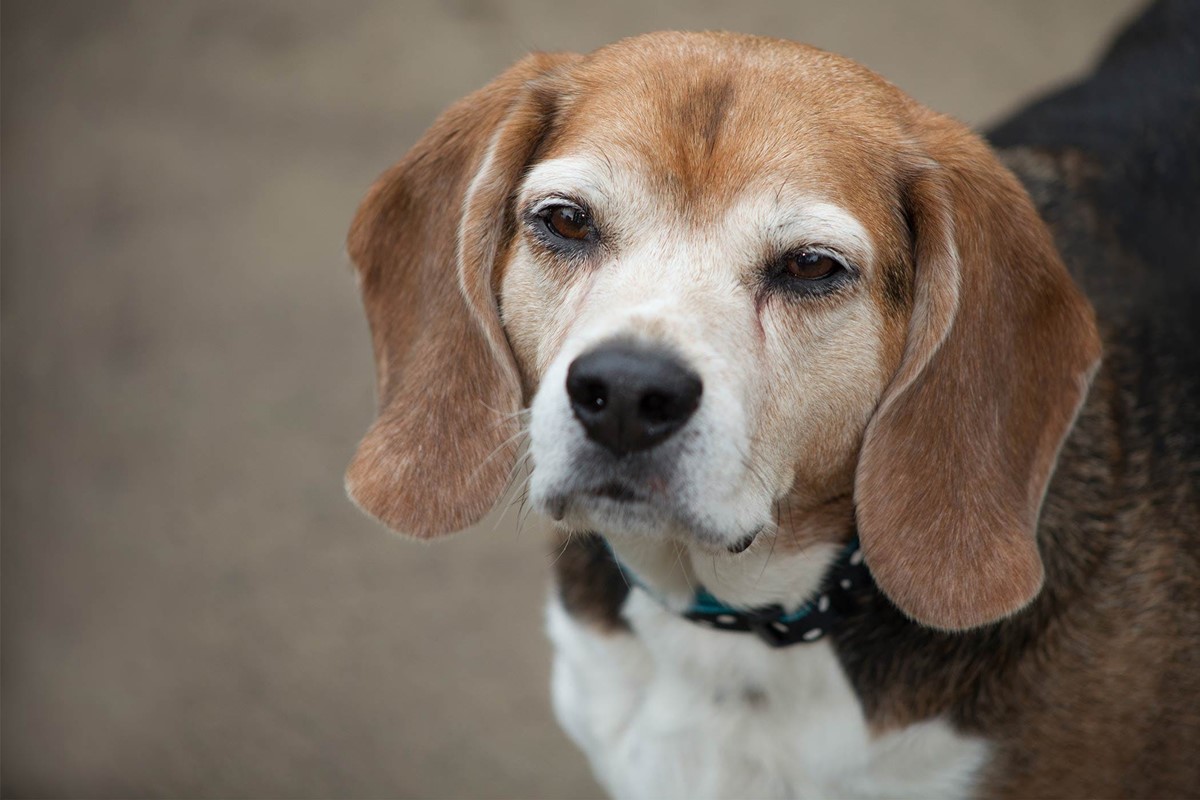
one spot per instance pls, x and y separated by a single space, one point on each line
783 566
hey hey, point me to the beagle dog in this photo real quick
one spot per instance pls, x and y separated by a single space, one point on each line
850 504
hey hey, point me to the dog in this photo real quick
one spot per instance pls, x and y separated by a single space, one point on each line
860 494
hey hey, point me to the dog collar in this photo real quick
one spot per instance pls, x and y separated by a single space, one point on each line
777 627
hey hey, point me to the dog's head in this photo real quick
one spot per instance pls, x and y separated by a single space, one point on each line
722 271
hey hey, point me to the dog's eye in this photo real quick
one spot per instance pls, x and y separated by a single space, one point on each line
567 222
808 265
808 272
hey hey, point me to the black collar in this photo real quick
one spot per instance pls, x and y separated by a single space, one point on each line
836 598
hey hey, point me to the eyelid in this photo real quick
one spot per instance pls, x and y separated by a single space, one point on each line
774 282
823 226
538 206
824 250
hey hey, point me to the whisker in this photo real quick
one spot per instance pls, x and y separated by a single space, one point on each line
771 552
749 466
506 414
506 443
621 571
566 544
521 520
518 476
503 417
520 509
791 506
682 569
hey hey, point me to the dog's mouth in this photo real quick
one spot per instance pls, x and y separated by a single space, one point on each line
743 544
614 490
610 496
624 501
611 492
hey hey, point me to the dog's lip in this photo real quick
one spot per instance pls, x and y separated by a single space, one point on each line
743 544
616 490
624 494
610 491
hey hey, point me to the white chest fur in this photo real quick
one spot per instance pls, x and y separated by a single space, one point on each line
678 711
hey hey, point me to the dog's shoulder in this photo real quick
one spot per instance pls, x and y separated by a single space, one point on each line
1104 661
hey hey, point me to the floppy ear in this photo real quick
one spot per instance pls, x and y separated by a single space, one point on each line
425 242
1000 353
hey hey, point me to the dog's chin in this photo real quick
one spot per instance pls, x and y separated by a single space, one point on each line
618 511
613 510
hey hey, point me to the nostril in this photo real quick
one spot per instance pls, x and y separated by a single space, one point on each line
671 399
594 395
657 407
587 393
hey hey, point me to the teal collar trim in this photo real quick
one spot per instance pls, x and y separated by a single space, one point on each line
840 593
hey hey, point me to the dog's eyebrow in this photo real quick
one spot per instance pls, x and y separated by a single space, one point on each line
838 226
567 174
808 221
788 219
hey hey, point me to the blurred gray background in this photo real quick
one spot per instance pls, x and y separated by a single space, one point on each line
190 605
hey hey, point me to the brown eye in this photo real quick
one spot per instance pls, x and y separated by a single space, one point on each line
811 266
568 222
808 273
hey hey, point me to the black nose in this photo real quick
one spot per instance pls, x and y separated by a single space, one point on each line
630 398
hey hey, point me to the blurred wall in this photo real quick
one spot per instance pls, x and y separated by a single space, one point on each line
190 605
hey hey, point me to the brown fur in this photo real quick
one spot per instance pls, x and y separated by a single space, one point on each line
428 303
1091 690
590 584
948 494
1080 664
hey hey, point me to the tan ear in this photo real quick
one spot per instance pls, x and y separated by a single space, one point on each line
425 242
1000 353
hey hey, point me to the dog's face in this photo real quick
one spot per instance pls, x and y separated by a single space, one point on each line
718 234
723 272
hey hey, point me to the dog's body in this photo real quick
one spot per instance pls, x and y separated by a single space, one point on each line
1093 690
1089 692
919 380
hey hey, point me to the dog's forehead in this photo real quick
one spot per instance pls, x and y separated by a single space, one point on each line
702 117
